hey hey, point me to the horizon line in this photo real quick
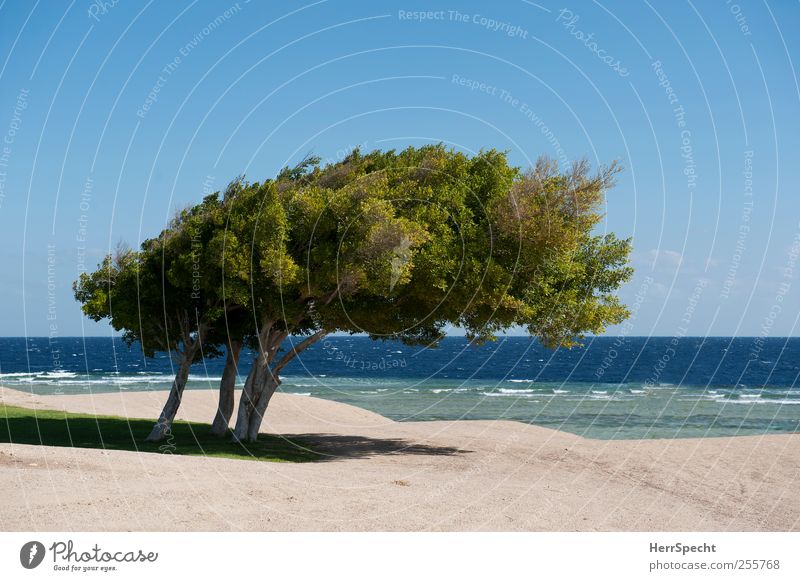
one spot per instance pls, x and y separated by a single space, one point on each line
364 336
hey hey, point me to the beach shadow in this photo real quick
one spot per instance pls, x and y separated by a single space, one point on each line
71 430
333 447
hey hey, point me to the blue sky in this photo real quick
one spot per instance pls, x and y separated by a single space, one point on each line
113 115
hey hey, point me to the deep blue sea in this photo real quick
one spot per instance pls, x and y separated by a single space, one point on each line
611 388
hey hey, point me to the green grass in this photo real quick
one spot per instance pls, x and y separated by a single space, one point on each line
20 425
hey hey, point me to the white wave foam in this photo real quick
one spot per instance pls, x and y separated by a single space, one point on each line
694 397
761 401
57 374
203 378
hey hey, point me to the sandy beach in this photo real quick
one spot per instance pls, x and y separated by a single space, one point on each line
381 475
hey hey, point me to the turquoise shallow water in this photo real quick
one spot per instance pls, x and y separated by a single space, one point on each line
602 411
610 389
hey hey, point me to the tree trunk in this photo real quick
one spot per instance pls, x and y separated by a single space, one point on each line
227 386
259 390
248 401
163 426
255 397
269 385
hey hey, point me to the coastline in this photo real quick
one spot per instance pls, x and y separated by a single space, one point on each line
380 475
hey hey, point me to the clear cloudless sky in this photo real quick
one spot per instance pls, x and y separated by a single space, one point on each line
113 114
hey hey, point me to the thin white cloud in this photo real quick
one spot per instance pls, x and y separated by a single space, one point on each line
667 258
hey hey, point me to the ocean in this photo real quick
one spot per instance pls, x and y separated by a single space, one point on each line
611 388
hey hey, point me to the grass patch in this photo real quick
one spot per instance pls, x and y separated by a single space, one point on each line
19 425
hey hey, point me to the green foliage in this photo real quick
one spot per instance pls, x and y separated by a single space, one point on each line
164 296
394 244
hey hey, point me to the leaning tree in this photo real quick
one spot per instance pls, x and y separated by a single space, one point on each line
397 245
400 245
307 241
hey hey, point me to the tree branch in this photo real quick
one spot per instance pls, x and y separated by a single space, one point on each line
292 353
274 344
263 336
333 295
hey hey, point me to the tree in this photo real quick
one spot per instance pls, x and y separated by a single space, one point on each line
315 239
397 245
159 297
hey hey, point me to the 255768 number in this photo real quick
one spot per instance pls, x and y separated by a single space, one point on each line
748 564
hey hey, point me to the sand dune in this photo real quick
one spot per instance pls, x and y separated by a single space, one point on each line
385 475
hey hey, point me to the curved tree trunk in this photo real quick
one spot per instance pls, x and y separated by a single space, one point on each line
269 385
247 403
227 386
261 384
163 426
252 406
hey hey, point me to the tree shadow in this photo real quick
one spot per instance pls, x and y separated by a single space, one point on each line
333 447
58 428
